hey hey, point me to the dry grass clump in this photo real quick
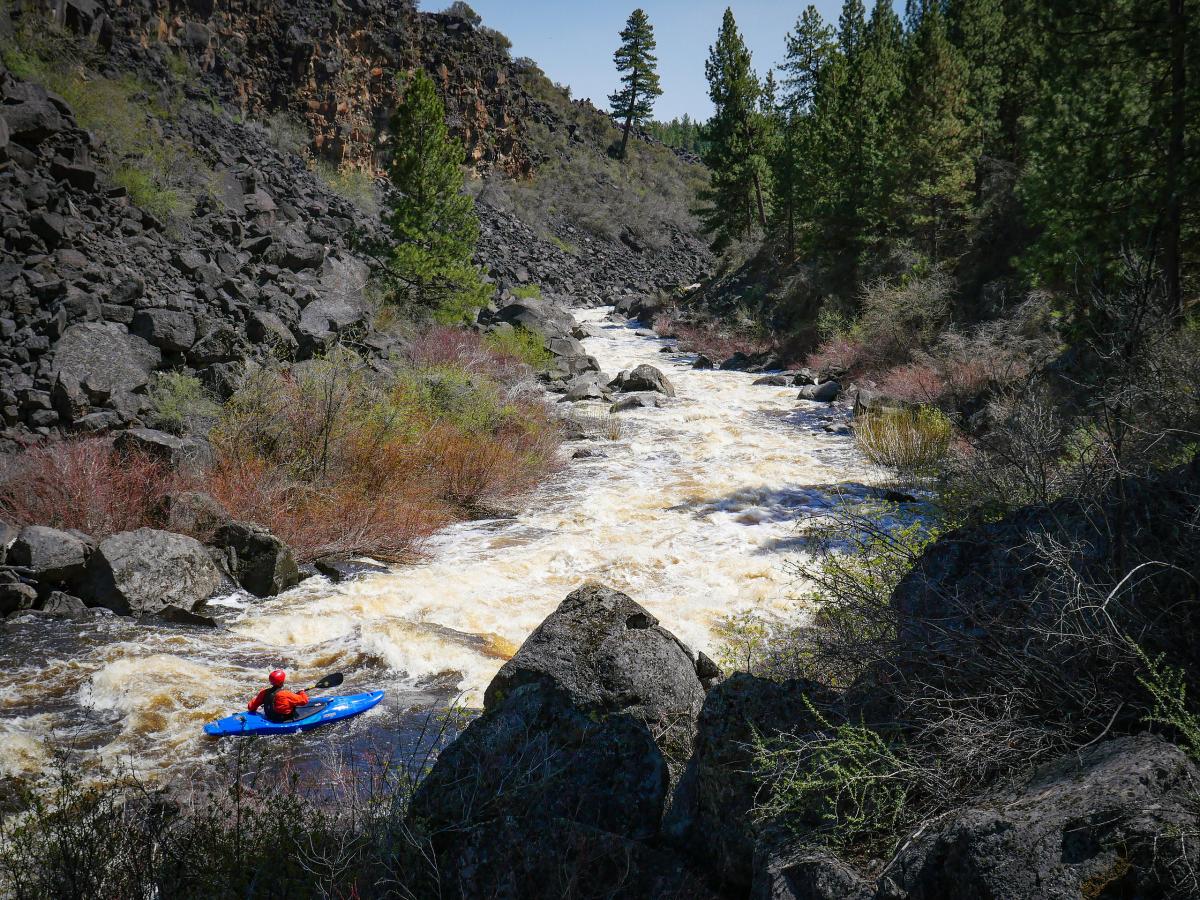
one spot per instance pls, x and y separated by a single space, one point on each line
911 440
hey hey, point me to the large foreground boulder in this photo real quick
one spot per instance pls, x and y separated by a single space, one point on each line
1112 822
141 572
569 767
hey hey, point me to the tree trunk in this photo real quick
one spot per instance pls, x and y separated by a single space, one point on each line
758 198
1175 151
633 93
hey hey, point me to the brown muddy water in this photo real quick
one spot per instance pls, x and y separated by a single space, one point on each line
693 511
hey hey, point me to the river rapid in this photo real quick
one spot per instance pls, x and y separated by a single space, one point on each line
692 510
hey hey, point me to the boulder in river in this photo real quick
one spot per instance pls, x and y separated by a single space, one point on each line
140 572
644 378
16 596
636 401
52 556
825 392
260 562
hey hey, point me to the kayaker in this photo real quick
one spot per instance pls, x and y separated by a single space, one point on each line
278 705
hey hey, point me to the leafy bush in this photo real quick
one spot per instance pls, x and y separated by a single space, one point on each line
86 485
1167 686
527 292
849 783
176 399
843 614
915 441
520 343
338 461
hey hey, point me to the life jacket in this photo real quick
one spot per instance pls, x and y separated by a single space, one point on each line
268 706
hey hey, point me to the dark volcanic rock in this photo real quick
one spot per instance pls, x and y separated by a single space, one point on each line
175 452
140 572
1104 824
55 557
166 329
636 401
192 512
710 814
825 392
565 747
108 359
60 605
606 653
645 378
806 873
260 562
16 597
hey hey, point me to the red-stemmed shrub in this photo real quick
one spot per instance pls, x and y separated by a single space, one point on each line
85 485
839 354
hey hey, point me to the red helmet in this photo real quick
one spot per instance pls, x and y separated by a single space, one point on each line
278 677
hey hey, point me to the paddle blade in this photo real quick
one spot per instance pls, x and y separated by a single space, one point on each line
329 681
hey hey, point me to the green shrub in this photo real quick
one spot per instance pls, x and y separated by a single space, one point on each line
914 441
127 115
176 399
527 346
527 292
1167 686
848 786
146 192
843 616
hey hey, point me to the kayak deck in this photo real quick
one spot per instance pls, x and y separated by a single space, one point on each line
319 711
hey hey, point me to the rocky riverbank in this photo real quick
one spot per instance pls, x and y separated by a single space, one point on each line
613 760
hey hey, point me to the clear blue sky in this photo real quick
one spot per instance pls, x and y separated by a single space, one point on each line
573 40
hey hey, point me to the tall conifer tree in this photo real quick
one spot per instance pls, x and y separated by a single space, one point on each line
737 197
635 59
433 223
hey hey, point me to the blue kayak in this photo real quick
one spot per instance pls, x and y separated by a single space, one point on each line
320 711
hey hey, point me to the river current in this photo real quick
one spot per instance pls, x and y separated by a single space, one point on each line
693 510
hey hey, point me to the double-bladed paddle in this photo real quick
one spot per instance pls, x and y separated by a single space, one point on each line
328 681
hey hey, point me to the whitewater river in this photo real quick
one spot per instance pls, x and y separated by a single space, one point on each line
693 511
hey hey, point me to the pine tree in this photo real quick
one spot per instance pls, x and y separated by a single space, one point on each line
938 159
635 58
797 164
1107 169
810 48
737 196
432 222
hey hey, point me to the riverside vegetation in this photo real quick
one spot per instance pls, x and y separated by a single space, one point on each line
959 224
